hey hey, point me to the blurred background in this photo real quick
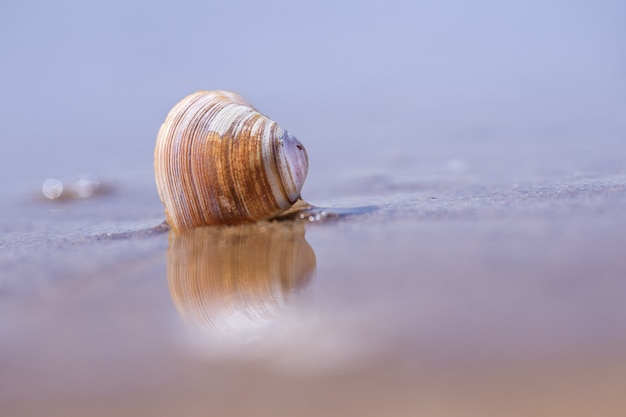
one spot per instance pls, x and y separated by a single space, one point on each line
370 88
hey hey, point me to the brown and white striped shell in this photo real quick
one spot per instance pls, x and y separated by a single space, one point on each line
219 161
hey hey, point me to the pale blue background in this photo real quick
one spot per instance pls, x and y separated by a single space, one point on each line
364 85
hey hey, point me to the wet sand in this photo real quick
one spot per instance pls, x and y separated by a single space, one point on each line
454 298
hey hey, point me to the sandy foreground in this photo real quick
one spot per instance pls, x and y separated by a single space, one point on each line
448 296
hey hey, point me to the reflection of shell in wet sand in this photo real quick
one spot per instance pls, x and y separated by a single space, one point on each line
236 277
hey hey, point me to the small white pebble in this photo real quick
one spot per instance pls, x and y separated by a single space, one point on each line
52 188
85 186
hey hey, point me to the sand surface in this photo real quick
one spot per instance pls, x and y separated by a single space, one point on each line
453 297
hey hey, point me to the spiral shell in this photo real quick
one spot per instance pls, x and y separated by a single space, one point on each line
219 161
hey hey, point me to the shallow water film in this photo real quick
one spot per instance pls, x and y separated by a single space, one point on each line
470 160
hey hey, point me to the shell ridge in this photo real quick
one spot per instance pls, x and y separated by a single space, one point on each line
269 160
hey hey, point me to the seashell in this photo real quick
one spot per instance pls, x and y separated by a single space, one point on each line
218 160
